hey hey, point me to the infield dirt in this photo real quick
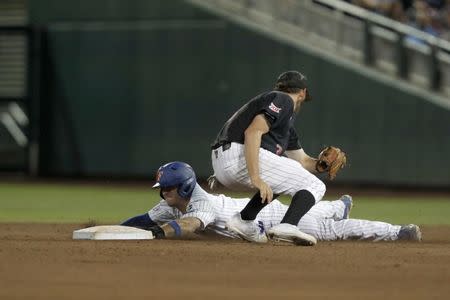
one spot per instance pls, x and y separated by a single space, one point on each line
41 261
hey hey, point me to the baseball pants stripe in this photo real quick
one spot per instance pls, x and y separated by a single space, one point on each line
284 175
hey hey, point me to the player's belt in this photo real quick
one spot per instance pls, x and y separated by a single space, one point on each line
225 146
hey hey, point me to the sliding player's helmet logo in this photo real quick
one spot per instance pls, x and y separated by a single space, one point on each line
158 175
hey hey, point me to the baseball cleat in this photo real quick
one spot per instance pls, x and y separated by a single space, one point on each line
247 230
410 232
348 202
285 232
213 183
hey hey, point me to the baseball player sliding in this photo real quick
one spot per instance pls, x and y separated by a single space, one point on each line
258 148
185 209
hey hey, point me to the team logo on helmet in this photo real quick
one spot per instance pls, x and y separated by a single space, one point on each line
158 175
274 108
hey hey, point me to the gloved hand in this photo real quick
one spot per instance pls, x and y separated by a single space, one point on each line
158 232
331 160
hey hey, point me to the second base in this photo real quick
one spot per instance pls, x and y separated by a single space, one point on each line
112 232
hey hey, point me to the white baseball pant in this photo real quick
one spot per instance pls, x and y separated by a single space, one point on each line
284 175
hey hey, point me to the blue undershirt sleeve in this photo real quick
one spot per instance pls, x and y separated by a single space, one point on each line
141 221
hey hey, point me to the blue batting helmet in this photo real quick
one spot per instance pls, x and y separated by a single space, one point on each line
176 174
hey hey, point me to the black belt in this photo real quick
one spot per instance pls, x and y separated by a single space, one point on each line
225 146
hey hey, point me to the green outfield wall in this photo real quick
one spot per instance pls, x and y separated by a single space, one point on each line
127 85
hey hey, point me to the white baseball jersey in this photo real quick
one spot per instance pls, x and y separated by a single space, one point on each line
324 220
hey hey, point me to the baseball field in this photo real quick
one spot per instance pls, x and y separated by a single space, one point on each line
39 260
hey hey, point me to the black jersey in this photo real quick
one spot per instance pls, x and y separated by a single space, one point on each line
278 108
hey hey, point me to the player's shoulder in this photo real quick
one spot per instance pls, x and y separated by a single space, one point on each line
281 96
161 208
278 98
200 195
279 102
270 96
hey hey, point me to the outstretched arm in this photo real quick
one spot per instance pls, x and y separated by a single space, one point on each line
308 162
141 221
182 228
177 229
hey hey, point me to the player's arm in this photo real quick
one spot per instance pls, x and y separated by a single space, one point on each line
308 162
177 229
141 221
182 228
253 135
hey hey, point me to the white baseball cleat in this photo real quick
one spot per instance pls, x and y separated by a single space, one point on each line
248 230
290 233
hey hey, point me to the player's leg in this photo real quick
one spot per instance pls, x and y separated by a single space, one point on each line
337 209
243 223
228 165
329 220
313 222
309 225
287 176
332 217
254 206
355 229
230 169
284 175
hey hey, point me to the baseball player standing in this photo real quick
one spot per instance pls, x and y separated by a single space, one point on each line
185 209
258 148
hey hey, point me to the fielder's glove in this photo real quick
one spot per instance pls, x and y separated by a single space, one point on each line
331 160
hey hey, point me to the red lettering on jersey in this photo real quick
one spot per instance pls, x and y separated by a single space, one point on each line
279 150
274 108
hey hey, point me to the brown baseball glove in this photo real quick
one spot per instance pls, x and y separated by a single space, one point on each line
331 160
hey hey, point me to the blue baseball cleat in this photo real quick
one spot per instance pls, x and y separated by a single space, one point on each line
410 232
348 202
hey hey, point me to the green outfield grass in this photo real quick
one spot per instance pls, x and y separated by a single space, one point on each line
58 203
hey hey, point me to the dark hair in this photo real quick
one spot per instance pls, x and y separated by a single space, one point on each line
284 88
292 82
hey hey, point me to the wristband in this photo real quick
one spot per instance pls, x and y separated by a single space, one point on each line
175 227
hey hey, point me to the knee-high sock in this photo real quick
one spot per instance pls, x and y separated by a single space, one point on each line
301 203
253 207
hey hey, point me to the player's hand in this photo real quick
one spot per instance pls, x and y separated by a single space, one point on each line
331 160
264 190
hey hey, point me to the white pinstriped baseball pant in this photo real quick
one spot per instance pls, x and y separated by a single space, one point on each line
284 175
325 222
